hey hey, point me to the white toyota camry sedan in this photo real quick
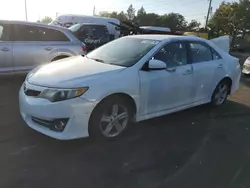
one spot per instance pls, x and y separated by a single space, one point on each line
133 78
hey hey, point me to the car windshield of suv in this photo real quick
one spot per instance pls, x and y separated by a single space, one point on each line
123 52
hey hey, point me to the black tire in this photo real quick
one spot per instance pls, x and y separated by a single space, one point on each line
215 101
95 124
246 75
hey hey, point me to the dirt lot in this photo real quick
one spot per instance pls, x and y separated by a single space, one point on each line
200 147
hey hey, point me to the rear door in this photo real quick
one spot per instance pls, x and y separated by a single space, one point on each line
6 61
35 45
208 69
28 48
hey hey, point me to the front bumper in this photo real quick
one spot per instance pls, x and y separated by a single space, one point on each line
76 110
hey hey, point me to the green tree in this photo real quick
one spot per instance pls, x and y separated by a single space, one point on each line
193 26
105 14
175 21
230 19
131 13
120 16
141 16
45 20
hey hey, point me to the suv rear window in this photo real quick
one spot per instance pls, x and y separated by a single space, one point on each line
89 30
35 33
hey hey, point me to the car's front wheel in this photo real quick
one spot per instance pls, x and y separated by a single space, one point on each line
110 118
220 93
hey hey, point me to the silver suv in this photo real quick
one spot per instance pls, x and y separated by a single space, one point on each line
26 45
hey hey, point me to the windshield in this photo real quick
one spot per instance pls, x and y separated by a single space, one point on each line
124 51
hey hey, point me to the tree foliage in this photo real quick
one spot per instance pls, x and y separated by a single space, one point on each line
174 21
45 20
231 18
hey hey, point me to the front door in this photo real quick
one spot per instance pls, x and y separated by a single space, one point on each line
167 89
6 63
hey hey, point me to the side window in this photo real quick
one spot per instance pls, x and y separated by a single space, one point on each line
26 33
173 54
200 52
51 35
85 31
34 33
215 55
4 32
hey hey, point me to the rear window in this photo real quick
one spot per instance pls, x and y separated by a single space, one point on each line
89 30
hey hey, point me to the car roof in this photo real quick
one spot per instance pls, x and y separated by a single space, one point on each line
93 24
166 37
33 24
153 28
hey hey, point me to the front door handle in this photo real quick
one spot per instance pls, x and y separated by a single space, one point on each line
48 48
5 49
187 72
220 66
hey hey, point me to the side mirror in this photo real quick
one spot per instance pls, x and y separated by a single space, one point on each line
154 64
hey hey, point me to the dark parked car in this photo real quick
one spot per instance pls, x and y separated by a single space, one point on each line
93 35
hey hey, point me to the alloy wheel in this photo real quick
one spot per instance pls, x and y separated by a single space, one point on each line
221 94
114 120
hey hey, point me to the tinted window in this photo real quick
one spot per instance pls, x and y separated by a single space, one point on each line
52 35
173 54
200 52
34 33
89 30
26 33
4 32
124 51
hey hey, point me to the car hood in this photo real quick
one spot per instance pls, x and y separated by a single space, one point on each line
71 72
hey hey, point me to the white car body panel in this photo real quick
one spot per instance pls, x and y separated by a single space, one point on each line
155 93
222 42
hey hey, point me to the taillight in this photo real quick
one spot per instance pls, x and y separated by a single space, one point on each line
84 48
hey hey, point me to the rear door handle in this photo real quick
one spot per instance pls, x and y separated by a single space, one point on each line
48 48
5 49
220 66
187 72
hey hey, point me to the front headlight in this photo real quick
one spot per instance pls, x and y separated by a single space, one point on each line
55 95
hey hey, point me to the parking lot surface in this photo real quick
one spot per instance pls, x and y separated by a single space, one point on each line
200 147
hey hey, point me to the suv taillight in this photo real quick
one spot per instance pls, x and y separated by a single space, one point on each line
84 48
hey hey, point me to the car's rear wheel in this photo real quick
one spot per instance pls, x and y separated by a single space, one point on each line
220 93
110 118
